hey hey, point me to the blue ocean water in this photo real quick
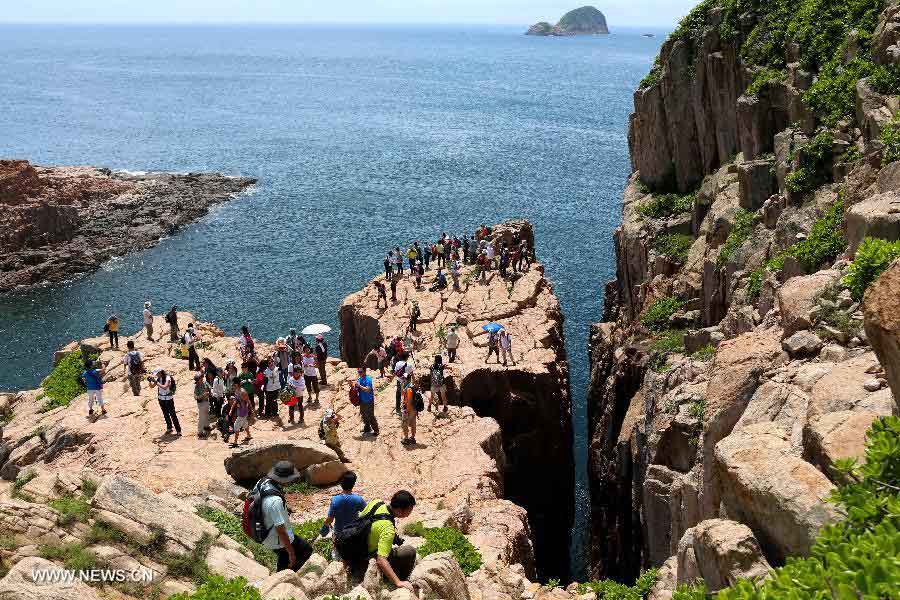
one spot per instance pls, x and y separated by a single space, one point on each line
362 138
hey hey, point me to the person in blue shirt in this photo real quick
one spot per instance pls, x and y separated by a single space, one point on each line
344 507
366 390
92 378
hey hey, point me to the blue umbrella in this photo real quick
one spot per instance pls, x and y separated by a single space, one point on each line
492 327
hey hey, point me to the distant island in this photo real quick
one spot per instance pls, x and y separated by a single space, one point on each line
586 20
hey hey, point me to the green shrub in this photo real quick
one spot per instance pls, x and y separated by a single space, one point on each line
825 240
656 317
697 409
763 78
74 556
71 509
754 283
740 233
873 256
309 530
191 565
20 482
442 539
833 94
705 353
6 415
88 488
851 155
102 532
666 205
611 590
217 587
671 340
300 487
674 246
230 525
890 137
814 160
64 382
659 362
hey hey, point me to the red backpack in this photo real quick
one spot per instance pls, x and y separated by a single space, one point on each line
354 395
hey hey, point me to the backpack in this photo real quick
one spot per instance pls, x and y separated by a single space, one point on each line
136 366
437 376
322 428
352 540
252 518
418 400
354 396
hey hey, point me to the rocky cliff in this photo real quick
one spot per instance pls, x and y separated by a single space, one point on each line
61 222
733 366
586 20
530 400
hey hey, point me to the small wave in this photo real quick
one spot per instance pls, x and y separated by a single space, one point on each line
132 173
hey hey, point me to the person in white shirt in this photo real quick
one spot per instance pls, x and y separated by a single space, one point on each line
311 373
506 347
297 385
216 393
272 388
291 550
148 321
190 340
452 343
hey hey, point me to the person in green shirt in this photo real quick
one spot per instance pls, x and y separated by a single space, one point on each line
246 378
395 563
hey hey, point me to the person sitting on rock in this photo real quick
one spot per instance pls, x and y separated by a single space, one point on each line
440 283
395 563
291 549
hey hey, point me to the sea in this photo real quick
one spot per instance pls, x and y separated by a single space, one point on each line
362 138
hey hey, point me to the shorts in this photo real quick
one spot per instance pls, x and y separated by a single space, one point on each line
240 424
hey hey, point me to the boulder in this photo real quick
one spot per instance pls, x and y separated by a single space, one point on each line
332 581
19 584
727 551
802 344
780 496
842 389
496 581
797 297
836 435
881 309
284 585
666 580
757 183
131 500
877 216
440 576
227 562
326 473
250 464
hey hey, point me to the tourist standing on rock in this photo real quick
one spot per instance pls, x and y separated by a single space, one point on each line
438 385
408 410
112 328
388 267
291 550
465 249
382 294
439 250
296 384
284 360
394 279
366 390
245 344
172 320
399 370
398 261
272 377
395 563
190 338
322 358
133 364
419 271
344 507
414 314
241 411
310 374
412 254
148 321
506 347
294 342
216 384
452 343
165 389
201 395
92 378
454 273
493 346
229 374
371 359
426 255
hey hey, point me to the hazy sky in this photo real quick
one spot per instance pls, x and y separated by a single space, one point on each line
647 13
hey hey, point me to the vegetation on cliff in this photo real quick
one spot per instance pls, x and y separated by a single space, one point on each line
856 558
443 539
873 257
64 382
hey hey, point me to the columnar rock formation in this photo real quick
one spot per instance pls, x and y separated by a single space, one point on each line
530 400
732 367
61 222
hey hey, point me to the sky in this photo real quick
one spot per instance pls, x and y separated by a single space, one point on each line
632 13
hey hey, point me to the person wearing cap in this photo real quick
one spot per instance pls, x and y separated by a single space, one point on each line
366 390
291 550
148 321
190 340
321 357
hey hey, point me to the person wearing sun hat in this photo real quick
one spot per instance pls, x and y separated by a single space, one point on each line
291 550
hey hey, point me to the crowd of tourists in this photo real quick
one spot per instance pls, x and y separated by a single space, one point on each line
360 530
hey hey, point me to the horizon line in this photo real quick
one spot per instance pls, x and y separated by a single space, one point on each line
294 23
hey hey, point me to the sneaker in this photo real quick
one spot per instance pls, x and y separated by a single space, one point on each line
168 431
405 441
365 432
412 441
91 412
104 412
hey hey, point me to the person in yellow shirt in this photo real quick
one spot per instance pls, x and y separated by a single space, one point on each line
395 563
112 328
412 255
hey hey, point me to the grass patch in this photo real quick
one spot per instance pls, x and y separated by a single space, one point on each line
658 363
20 482
674 246
764 78
754 284
671 340
74 556
656 317
191 565
442 539
102 532
8 542
300 487
217 587
814 160
666 205
740 233
825 242
230 525
88 487
890 137
873 257
611 590
705 353
6 415
309 531
697 409
71 509
64 382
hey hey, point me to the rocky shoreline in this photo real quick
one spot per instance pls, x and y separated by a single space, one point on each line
63 222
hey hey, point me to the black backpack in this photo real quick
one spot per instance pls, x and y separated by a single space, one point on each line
418 400
252 518
352 541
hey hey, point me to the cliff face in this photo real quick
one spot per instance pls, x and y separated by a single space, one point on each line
530 400
60 222
732 368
